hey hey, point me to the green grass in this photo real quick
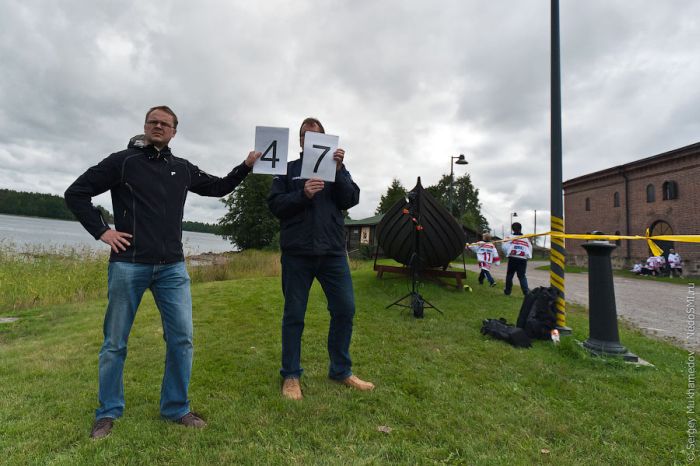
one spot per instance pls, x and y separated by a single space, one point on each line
450 395
234 265
37 277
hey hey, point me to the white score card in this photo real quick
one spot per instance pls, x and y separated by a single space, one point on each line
318 156
273 143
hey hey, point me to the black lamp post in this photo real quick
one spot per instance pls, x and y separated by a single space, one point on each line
534 231
512 214
461 160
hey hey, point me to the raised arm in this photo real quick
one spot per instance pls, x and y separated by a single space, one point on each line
205 184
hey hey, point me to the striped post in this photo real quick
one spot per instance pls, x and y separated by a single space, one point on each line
557 258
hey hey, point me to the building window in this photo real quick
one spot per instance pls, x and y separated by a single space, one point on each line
651 195
616 199
617 233
588 204
670 190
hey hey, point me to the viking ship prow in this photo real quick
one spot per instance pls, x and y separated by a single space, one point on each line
419 232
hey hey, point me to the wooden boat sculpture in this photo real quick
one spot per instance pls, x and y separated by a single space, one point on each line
438 237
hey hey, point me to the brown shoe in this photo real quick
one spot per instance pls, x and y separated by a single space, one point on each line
291 389
101 428
358 384
192 420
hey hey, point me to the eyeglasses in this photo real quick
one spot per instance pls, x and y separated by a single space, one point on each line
158 122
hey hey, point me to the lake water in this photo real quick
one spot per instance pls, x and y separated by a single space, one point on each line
30 233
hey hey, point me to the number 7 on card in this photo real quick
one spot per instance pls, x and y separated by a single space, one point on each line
318 156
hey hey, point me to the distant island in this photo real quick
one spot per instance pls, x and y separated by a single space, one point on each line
53 206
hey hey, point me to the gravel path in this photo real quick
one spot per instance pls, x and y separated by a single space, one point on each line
658 309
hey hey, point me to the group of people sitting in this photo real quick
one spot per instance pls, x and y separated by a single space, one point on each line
660 265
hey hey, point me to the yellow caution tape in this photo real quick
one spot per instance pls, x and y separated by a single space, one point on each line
656 250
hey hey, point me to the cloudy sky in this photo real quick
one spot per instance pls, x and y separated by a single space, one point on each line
406 84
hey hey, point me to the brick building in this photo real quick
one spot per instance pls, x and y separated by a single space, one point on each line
661 193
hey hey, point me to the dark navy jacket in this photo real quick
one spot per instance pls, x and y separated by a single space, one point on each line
312 226
148 190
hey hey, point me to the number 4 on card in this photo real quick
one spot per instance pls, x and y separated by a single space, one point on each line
273 143
273 158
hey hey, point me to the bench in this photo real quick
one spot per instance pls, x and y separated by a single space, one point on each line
457 275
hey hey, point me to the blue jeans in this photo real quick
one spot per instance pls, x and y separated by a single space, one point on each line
170 285
333 273
485 274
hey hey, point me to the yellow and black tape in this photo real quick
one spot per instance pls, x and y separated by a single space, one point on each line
656 250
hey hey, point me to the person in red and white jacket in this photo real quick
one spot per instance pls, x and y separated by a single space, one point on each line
487 255
518 251
655 264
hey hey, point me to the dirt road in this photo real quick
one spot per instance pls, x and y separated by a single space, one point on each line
657 308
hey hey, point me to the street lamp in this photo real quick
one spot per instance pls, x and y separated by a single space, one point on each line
461 160
512 215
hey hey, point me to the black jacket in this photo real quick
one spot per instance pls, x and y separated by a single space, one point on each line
148 190
312 226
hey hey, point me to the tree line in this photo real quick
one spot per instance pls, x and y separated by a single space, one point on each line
39 205
52 206
201 227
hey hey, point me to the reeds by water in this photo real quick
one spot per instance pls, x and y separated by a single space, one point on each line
35 276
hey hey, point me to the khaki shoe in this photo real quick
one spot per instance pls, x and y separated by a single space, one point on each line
101 428
358 384
192 420
291 389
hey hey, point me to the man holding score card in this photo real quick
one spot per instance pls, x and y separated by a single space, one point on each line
312 240
149 186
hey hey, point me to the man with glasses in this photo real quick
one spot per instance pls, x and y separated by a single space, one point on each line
148 185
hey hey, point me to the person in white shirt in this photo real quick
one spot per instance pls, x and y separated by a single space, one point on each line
637 268
486 254
675 262
518 251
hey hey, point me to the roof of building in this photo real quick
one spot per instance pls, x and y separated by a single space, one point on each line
690 150
365 221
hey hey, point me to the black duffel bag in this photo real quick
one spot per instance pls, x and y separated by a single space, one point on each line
501 330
